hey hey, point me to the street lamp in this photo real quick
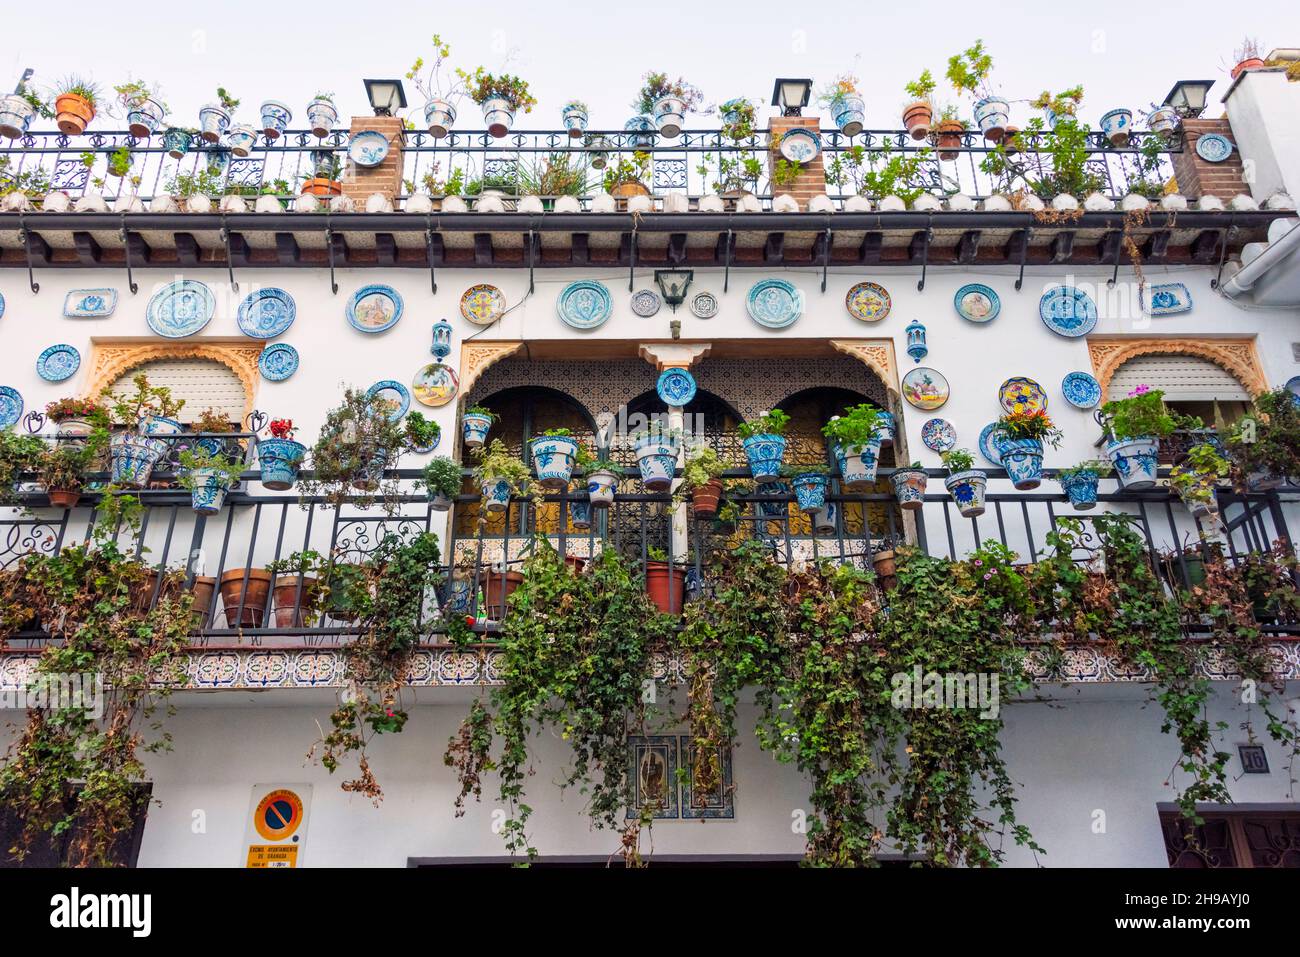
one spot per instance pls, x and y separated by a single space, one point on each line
386 96
1187 98
791 95
673 283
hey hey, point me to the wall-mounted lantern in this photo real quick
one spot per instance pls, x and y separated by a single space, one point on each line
916 347
441 338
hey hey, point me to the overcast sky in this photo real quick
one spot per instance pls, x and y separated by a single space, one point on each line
1125 53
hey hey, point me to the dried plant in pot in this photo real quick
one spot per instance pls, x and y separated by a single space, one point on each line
62 469
358 441
1265 445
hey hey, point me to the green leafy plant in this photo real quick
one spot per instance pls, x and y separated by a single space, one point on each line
77 85
843 85
556 174
19 455
1142 414
482 410
1194 478
702 465
128 408
1098 467
771 422
483 86
200 459
738 118
1063 104
922 88
968 71
228 102
880 173
656 86
634 170
496 463
357 441
856 427
420 431
134 93
957 460
65 467
1268 441
442 476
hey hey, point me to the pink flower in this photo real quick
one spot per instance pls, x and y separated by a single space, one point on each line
1140 390
988 576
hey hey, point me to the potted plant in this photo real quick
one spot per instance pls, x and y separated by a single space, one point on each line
298 588
1080 483
701 476
1060 106
325 177
656 451
144 107
475 424
575 115
244 593
500 98
965 483
208 476
19 455
18 109
210 426
358 441
62 469
909 486
968 72
764 442
1196 478
422 434
280 456
841 97
809 484
1248 56
178 141
322 114
1134 427
855 439
241 138
919 112
667 101
76 419
214 118
1162 120
738 118
603 476
1020 446
1117 125
553 454
627 177
276 117
441 476
143 415
500 475
665 582
1265 446
74 104
948 133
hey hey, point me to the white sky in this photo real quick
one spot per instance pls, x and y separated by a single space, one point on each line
1124 52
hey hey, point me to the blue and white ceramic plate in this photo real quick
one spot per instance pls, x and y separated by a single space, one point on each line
675 387
800 145
374 308
1293 386
584 304
938 435
988 443
180 309
977 303
646 302
278 361
1068 311
368 148
774 303
58 363
11 406
266 313
89 303
1166 299
1081 390
392 391
1213 147
704 305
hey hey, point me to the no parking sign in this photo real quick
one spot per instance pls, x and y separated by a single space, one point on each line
277 824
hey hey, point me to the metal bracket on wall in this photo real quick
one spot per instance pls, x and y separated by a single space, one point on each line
428 251
826 253
726 263
230 261
126 252
329 247
1024 254
925 251
631 271
532 252
1224 236
27 248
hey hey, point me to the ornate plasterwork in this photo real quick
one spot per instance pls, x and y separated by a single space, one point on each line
477 357
109 361
877 354
674 355
1238 356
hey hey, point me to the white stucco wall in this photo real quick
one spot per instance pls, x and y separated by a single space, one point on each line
1258 105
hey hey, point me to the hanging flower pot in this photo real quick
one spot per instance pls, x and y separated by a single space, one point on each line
917 117
774 508
669 113
600 488
656 457
967 489
992 114
280 460
886 428
244 592
1117 124
496 495
145 117
439 116
810 491
322 186
1163 120
666 586
575 119
73 113
825 518
474 428
858 464
580 514
499 115
764 453
1023 460
275 119
598 151
241 139
947 138
704 498
1134 461
73 433
497 586
1250 63
849 113
371 473
15 116
63 497
321 116
177 142
208 492
1081 489
640 131
553 457
133 456
213 121
160 425
909 488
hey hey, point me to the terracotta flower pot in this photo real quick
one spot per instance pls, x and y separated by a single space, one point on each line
73 113
917 117
885 563
322 186
1250 63
497 588
666 586
63 497
289 612
947 139
232 587
705 498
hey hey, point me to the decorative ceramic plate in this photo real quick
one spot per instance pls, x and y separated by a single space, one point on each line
1166 299
938 435
423 449
483 304
1081 390
705 305
1213 147
977 303
774 303
368 148
1293 386
675 387
925 388
868 301
392 391
58 363
2 304
584 304
89 303
1022 394
988 443
1068 311
266 313
435 385
374 308
277 362
180 309
800 145
646 302
11 406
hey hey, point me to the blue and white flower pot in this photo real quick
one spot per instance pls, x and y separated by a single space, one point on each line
810 491
553 457
439 116
765 453
1081 488
1117 125
160 425
321 116
459 591
1050 118
575 119
656 456
475 429
15 116
1023 460
731 112
887 428
600 488
849 113
440 503
967 490
992 115
213 121
241 139
499 115
496 495
669 113
209 491
909 488
858 464
144 118
825 519
133 456
275 119
1163 120
640 130
1134 461
177 142
372 473
774 509
279 460
580 514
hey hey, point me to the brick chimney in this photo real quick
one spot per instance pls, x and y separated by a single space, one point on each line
811 180
362 182
1197 177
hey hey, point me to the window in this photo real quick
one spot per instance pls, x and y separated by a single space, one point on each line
1236 837
203 384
